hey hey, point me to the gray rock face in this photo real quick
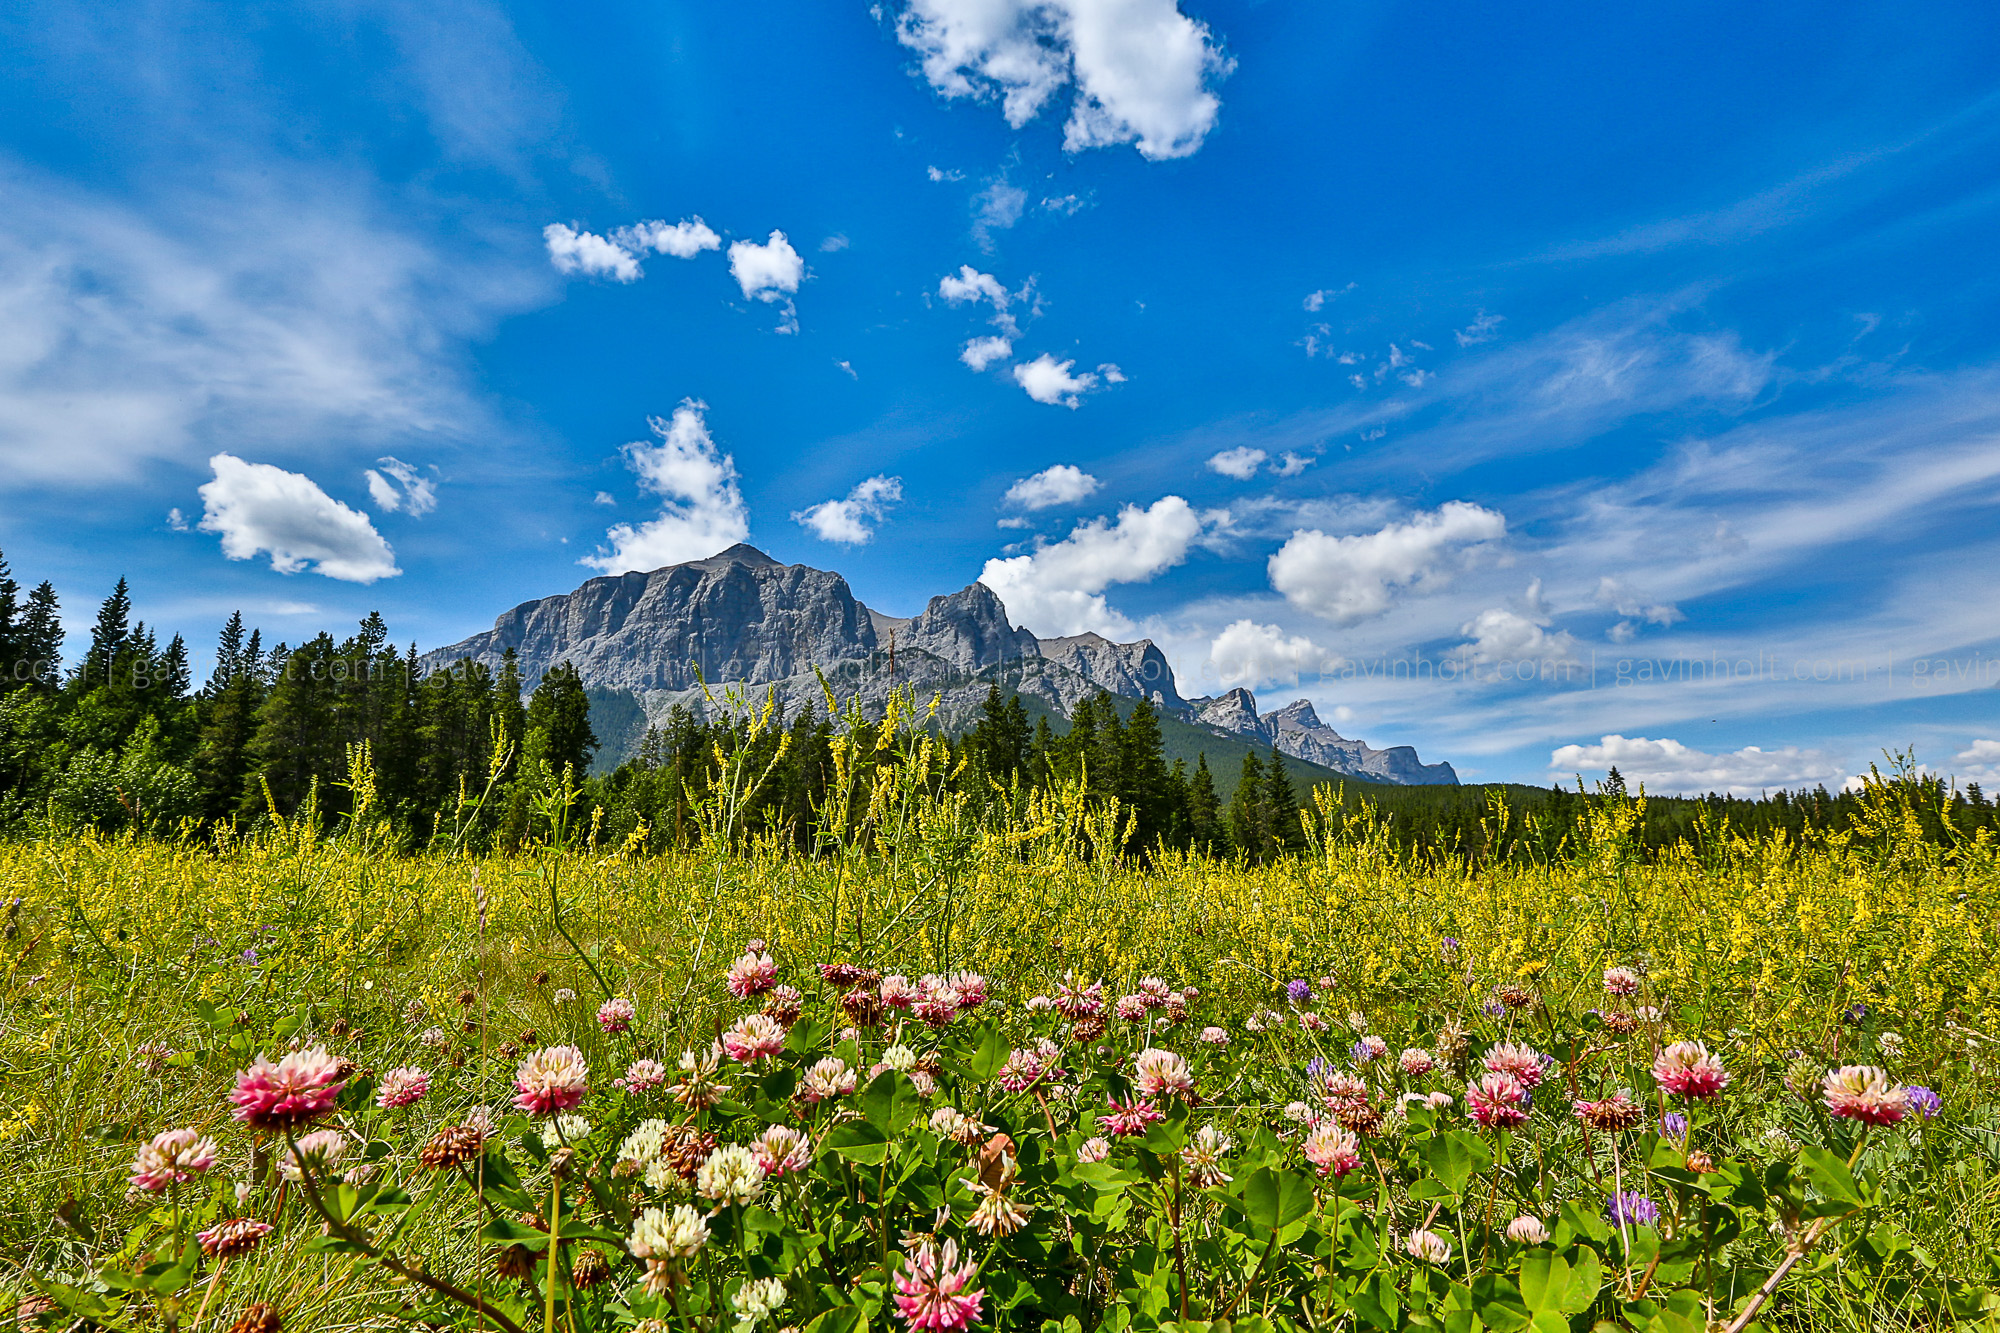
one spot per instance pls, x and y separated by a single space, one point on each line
1136 670
737 616
1296 730
741 618
968 630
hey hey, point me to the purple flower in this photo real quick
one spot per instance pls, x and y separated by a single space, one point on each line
1922 1100
1448 945
1674 1125
1494 1008
1298 990
249 956
1856 1012
1315 1069
1631 1208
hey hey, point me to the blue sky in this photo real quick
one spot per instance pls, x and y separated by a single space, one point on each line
1380 354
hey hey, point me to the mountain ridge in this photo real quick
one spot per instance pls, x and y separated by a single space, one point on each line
740 617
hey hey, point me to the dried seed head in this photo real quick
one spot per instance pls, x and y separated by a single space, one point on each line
259 1318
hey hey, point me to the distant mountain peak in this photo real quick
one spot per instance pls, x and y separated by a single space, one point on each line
743 553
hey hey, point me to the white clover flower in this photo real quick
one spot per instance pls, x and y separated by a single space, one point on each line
754 1301
900 1058
565 1129
730 1175
658 1234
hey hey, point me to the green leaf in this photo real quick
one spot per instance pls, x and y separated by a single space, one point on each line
993 1051
1829 1175
858 1141
1376 1301
1456 1157
1543 1280
1585 1277
840 1319
890 1102
1274 1199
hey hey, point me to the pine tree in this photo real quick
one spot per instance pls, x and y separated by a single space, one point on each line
507 704
12 631
1205 828
1143 780
108 638
42 635
1247 829
559 710
1281 806
228 653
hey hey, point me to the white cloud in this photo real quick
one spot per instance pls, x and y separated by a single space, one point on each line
1483 329
1251 655
980 353
969 284
1140 68
402 488
241 311
837 241
848 367
999 207
1063 484
1048 380
1292 464
704 511
1498 634
1348 579
1059 589
847 521
1668 766
1635 608
683 240
259 508
587 253
1112 374
939 174
1240 463
1981 760
604 498
1067 205
770 272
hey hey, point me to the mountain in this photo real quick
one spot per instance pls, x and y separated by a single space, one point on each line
1296 730
643 642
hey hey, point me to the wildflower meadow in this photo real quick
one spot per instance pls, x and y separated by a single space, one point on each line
953 1070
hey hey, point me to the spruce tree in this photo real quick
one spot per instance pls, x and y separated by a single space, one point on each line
1281 806
1247 829
559 710
12 636
228 653
42 636
1143 781
1205 828
108 638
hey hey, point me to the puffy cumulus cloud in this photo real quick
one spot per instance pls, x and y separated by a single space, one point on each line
1980 761
617 256
257 508
1048 380
683 240
1063 484
1291 464
1241 463
848 521
1499 634
1059 588
1348 579
1253 656
770 272
969 284
587 253
1140 69
400 486
1668 766
703 511
979 353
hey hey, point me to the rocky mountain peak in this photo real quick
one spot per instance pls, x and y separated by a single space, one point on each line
1138 670
1298 715
969 629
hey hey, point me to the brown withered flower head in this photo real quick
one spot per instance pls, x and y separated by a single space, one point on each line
454 1145
259 1318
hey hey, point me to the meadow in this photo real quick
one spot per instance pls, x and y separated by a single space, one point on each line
950 1069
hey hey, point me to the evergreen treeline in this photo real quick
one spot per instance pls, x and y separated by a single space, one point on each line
126 738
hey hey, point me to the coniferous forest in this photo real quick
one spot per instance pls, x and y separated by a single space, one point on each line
127 739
